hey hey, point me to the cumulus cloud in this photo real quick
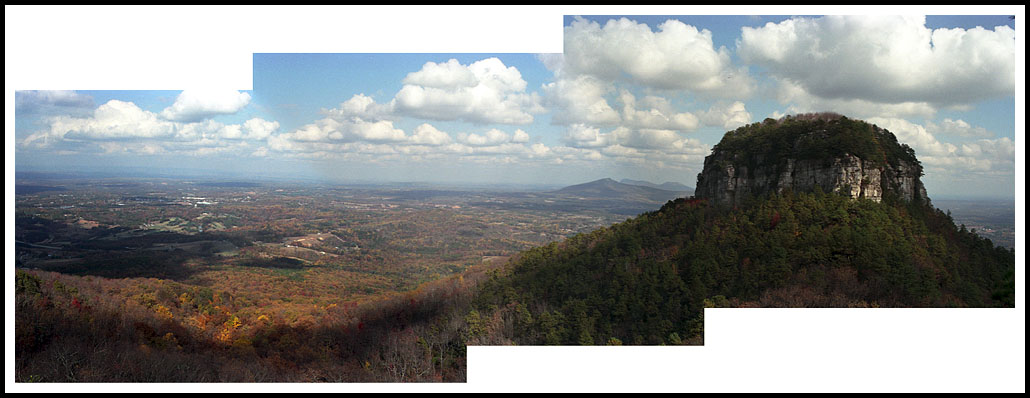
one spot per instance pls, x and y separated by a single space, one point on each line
490 138
552 61
624 142
447 75
677 56
426 134
802 101
337 139
196 105
120 127
583 136
605 68
657 113
580 99
362 107
885 59
644 138
520 137
727 115
132 148
426 143
258 128
112 120
347 130
583 144
981 155
957 128
487 91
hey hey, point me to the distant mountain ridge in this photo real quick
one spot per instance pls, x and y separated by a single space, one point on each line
668 185
607 188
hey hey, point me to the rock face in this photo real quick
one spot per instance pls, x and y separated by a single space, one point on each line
731 176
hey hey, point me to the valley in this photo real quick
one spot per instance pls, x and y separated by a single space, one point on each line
227 263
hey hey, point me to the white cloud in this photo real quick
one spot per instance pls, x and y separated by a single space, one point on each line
259 129
580 100
490 138
520 137
281 143
644 138
381 131
657 145
131 148
320 130
426 134
196 105
447 75
613 62
727 115
677 56
885 59
957 128
539 150
488 147
347 130
619 151
232 131
802 101
916 136
948 158
487 91
426 143
119 127
553 61
583 136
362 107
658 114
112 120
646 128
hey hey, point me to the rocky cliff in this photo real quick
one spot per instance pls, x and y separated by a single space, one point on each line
803 152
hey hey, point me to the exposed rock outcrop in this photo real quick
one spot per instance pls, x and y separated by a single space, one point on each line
835 154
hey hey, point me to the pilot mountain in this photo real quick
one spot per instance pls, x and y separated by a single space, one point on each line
815 210
839 155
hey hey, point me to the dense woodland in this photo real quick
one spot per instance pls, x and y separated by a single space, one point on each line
811 137
647 280
93 329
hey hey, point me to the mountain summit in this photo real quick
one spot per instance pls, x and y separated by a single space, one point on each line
805 152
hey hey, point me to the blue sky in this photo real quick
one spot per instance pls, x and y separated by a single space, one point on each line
643 97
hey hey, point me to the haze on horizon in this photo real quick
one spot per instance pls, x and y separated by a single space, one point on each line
631 97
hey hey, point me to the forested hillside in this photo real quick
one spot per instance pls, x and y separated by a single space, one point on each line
646 280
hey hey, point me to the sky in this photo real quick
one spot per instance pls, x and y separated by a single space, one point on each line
624 96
